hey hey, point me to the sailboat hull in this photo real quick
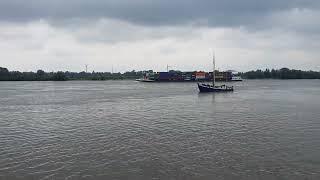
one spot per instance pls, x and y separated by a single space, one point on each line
210 88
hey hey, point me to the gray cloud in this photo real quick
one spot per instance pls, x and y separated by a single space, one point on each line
44 46
156 12
145 34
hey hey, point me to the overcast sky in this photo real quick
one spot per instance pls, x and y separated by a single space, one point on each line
149 34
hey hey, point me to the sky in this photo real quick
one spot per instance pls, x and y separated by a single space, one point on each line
126 35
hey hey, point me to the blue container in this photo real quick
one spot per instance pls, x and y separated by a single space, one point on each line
164 76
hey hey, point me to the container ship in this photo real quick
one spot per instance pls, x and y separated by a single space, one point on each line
178 76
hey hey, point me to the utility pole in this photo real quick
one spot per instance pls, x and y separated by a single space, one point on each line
86 68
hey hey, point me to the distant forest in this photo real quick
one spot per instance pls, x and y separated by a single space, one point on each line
40 75
283 73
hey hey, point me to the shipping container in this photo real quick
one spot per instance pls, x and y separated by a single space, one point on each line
187 76
200 75
164 76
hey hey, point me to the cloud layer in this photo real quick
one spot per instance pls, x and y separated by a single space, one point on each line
156 12
247 34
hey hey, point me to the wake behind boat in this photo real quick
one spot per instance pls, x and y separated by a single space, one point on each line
212 87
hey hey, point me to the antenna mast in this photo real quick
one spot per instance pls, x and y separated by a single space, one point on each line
214 68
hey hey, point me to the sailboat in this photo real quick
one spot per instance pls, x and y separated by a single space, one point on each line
212 87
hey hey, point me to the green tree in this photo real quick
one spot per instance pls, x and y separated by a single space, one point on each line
59 76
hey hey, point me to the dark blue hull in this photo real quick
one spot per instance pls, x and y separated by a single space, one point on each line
209 88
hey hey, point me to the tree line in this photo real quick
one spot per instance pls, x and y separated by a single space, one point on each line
283 73
40 75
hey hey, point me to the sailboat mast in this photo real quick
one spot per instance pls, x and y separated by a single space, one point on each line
213 72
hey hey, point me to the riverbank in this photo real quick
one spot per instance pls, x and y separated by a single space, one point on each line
40 75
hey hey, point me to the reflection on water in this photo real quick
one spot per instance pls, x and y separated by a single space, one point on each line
128 130
208 96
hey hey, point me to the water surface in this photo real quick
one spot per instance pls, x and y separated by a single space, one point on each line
267 129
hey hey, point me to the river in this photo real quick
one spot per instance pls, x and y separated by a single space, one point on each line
265 129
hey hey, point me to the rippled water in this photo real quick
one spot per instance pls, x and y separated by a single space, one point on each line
128 130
